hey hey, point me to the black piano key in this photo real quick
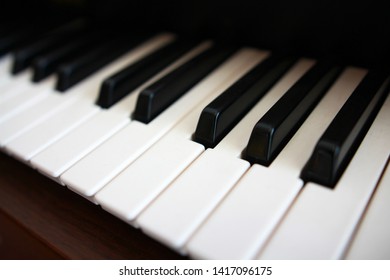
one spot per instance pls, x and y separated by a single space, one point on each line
25 31
79 68
273 131
7 28
158 96
120 84
341 139
46 64
23 56
224 112
14 38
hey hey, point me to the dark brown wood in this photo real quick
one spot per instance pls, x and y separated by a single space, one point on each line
16 243
66 224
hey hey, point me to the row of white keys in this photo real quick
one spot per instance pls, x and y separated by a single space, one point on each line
175 215
372 240
164 161
33 141
321 221
244 220
31 116
60 156
110 158
79 107
21 94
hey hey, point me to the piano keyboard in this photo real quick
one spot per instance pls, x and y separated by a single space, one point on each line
215 151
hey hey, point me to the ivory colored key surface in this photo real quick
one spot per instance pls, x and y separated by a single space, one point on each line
31 116
207 180
174 216
134 188
33 141
64 119
106 161
83 139
263 194
64 153
241 223
13 86
159 165
321 221
23 96
5 66
11 89
372 240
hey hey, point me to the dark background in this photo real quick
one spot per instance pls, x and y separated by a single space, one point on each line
354 31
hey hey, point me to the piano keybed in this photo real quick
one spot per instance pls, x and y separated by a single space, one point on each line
207 202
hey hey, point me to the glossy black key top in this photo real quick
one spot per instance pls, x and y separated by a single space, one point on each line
273 131
11 40
224 112
158 96
125 81
23 56
341 139
79 68
46 64
26 31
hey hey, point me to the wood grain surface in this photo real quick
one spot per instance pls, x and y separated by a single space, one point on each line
41 219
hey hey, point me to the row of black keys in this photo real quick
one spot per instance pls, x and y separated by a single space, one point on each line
76 50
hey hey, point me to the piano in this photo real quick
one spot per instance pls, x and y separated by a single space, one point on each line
194 130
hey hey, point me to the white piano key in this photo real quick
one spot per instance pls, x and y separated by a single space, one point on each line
10 92
128 144
131 191
372 240
83 93
93 171
264 194
127 200
61 155
30 117
64 153
242 223
25 96
13 85
5 70
175 215
5 64
321 221
198 190
35 140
